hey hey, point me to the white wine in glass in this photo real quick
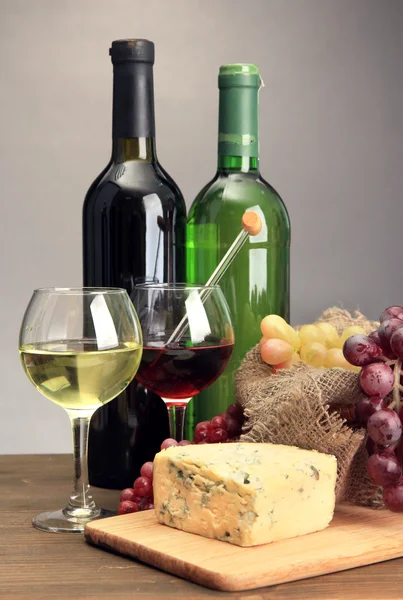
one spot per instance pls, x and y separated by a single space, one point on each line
80 347
78 376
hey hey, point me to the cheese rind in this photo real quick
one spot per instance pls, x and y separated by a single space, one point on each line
245 494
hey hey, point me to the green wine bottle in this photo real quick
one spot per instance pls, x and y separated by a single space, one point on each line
257 282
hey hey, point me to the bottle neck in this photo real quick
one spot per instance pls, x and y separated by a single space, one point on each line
238 143
141 149
237 164
133 128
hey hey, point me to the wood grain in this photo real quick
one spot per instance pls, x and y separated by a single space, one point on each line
42 566
357 536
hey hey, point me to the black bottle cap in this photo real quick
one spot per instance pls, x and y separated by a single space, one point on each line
132 51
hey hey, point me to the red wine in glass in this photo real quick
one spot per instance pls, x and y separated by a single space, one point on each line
178 372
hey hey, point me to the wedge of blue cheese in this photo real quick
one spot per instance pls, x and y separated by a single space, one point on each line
245 494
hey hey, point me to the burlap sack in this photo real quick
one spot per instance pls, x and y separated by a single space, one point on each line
311 408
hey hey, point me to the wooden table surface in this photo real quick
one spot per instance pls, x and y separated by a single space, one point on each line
39 565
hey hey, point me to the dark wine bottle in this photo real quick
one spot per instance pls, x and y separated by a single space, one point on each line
134 221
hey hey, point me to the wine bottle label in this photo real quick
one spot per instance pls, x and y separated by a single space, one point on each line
236 138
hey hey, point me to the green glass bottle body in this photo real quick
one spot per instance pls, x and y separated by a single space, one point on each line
257 282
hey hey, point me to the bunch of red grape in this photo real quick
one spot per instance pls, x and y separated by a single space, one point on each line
226 427
380 354
140 496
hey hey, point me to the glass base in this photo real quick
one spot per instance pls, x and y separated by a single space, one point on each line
62 521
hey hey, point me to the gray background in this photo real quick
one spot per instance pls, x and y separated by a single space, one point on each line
331 142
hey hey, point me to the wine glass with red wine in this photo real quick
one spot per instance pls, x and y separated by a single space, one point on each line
187 342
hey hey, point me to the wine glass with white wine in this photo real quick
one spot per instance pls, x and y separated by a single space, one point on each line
80 347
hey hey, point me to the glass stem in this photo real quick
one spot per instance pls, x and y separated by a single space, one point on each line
81 502
176 414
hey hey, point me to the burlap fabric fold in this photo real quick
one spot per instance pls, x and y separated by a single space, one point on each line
311 408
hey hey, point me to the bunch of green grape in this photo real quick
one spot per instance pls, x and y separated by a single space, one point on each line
318 345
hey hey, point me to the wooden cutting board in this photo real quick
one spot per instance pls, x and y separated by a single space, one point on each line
357 536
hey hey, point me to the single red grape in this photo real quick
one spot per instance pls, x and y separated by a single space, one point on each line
386 330
143 487
201 432
374 336
202 425
396 343
218 435
185 443
234 427
147 506
393 312
218 422
168 443
393 496
128 494
360 350
147 470
366 406
384 468
377 379
202 436
384 427
235 411
127 507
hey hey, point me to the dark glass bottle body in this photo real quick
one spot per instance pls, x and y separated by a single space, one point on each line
134 221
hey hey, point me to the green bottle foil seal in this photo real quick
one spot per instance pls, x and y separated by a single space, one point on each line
239 85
